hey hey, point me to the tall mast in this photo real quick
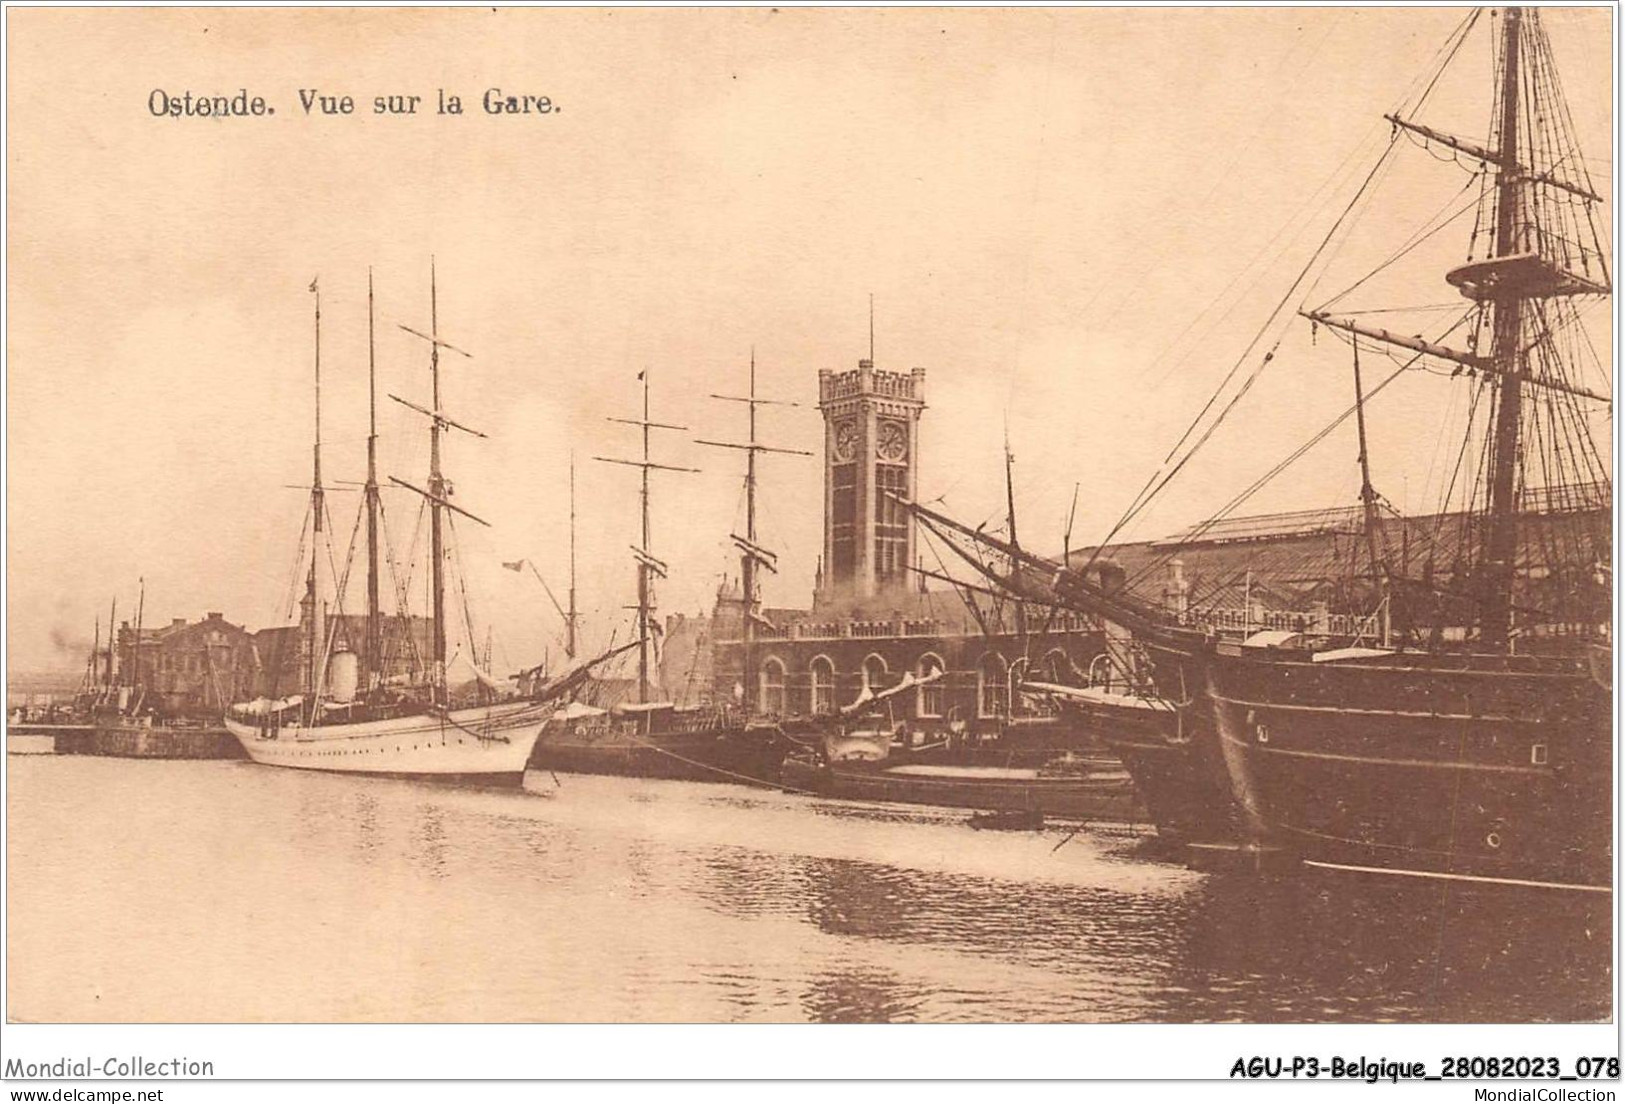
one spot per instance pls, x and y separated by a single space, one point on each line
1010 506
437 494
1066 538
112 614
439 490
374 628
1501 542
747 559
1368 493
140 611
645 584
313 635
95 657
1368 499
648 566
1010 489
570 618
751 554
1517 268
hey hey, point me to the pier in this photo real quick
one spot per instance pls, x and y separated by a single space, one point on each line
122 741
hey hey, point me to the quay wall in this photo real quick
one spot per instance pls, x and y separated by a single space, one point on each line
136 742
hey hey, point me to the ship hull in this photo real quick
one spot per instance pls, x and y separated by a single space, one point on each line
1172 753
1185 793
1460 770
1016 742
1106 795
721 754
489 744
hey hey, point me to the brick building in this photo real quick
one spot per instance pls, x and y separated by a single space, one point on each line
188 669
870 622
282 659
196 669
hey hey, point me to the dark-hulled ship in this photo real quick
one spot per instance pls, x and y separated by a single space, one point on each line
660 739
1491 756
1457 725
1148 710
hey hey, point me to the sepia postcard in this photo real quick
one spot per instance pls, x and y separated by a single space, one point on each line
1096 518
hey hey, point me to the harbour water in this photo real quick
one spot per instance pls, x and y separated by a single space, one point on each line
226 891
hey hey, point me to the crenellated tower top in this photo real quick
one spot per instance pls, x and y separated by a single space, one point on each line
871 451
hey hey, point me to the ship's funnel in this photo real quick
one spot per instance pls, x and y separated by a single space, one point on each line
343 677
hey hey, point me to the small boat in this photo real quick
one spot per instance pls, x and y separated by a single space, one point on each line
1009 820
1090 795
859 760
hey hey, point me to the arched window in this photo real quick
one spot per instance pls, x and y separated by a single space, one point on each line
1101 671
771 699
1058 667
876 675
928 699
992 686
1019 702
823 686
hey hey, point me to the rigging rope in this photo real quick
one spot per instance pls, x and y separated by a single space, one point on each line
1268 476
1154 485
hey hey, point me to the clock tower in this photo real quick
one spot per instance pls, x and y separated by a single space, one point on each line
871 447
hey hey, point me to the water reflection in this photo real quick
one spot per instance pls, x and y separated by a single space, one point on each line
431 838
364 811
622 900
860 995
1221 949
1335 948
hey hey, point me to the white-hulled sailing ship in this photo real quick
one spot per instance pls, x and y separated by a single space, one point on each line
346 716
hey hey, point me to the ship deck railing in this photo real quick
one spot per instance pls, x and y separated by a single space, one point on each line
902 627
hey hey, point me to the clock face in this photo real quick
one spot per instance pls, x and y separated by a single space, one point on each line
893 442
846 440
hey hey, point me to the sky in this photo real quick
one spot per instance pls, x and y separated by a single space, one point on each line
1073 219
